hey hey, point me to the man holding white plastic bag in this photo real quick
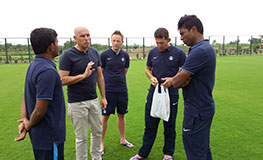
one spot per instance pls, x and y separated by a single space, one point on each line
163 61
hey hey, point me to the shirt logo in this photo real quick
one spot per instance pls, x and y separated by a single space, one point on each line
155 57
171 58
186 130
122 59
108 59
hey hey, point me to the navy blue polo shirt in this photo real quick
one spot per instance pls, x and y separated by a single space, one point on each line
75 62
114 70
165 64
201 64
44 83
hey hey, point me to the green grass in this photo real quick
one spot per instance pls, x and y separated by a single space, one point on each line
237 129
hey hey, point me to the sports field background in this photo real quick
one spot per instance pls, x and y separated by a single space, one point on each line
237 129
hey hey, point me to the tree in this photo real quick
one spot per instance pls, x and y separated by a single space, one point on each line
69 44
256 40
214 42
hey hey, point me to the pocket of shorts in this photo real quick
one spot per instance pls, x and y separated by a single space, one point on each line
188 123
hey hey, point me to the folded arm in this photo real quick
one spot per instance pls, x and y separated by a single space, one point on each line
180 80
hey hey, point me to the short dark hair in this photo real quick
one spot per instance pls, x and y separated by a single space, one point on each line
161 33
118 33
188 21
41 38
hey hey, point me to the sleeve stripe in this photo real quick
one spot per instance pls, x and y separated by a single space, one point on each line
45 99
188 71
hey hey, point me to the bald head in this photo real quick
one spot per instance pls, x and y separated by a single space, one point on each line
80 29
82 37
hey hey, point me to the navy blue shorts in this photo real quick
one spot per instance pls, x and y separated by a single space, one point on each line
57 153
116 99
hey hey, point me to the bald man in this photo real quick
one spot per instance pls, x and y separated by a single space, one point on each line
80 69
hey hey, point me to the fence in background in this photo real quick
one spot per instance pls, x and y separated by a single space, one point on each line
19 50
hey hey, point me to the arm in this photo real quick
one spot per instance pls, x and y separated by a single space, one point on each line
101 85
148 72
21 127
36 116
126 70
127 64
180 80
23 108
67 80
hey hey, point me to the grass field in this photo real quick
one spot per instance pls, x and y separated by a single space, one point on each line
237 129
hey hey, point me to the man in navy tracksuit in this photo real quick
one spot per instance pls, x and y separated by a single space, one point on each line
163 61
199 106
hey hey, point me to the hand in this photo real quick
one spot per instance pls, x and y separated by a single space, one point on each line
22 136
167 82
154 81
88 70
26 124
22 131
103 103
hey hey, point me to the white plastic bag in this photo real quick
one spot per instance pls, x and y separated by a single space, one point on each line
161 103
